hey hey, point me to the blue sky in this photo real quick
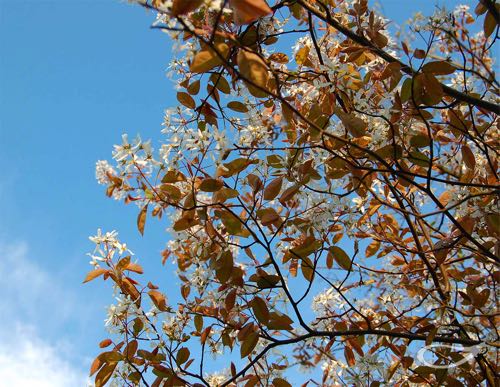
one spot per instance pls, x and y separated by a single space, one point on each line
74 76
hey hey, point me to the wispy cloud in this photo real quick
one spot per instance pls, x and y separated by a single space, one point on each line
27 360
32 301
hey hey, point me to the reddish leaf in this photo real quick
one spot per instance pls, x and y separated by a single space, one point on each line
280 382
247 11
105 343
180 7
438 68
341 257
273 189
211 185
206 60
186 100
260 310
468 157
158 299
94 274
372 248
141 219
105 374
249 344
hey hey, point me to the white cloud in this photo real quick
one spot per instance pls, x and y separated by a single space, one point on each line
32 301
27 360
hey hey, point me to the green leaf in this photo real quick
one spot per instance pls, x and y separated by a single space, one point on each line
418 158
198 322
110 357
172 192
406 90
420 140
266 281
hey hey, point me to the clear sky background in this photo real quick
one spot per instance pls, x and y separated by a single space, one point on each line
74 76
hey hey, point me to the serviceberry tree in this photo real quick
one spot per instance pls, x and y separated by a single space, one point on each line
330 185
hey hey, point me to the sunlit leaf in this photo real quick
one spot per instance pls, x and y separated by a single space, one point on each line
180 7
158 299
94 274
207 59
247 11
105 374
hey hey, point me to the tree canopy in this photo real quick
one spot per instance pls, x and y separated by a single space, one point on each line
330 184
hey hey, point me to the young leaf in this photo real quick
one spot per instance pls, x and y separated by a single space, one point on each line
248 11
181 7
468 157
280 382
94 274
249 344
341 257
158 299
182 356
273 189
254 69
372 248
237 106
207 59
141 219
438 68
307 268
105 374
186 100
260 310
211 185
105 343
